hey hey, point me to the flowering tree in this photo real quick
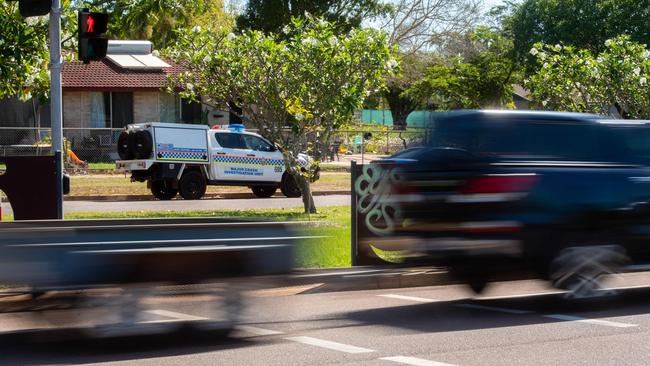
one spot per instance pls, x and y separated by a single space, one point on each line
23 53
296 89
481 79
577 80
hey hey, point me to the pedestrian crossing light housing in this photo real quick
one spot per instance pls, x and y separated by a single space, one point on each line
92 40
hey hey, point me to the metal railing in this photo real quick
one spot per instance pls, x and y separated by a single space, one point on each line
99 145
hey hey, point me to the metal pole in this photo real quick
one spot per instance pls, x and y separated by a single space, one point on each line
56 113
353 213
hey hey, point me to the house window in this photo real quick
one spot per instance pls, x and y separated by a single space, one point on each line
111 109
191 112
168 108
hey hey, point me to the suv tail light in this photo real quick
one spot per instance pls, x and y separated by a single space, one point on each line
516 183
495 188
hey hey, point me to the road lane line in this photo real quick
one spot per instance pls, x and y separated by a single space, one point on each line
493 308
408 298
174 315
330 345
590 321
502 297
257 331
414 361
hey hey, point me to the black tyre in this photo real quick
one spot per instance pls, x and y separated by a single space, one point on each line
289 187
125 145
163 190
142 144
471 275
263 191
192 185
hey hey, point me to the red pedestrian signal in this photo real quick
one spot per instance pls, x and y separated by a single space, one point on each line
90 22
92 42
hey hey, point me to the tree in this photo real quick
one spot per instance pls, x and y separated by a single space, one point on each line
160 20
271 16
481 78
419 28
23 54
579 80
584 24
296 89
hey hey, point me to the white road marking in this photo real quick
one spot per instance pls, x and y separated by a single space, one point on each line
414 361
408 298
330 345
337 273
414 273
257 331
590 321
493 308
174 315
519 295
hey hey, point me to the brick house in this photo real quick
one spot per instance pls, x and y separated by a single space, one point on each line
127 86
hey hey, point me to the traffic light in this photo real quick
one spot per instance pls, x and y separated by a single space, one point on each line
92 42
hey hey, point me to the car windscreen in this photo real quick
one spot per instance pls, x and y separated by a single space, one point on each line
530 140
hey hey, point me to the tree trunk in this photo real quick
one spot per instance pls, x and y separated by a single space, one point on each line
400 107
307 198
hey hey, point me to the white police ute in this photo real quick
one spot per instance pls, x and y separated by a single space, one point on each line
178 158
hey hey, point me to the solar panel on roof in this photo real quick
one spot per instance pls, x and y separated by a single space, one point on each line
151 61
139 62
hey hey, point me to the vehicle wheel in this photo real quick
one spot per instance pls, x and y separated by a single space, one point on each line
162 190
580 270
263 191
472 276
192 185
289 187
125 145
142 144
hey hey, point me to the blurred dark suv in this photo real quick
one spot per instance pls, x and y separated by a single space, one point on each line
561 196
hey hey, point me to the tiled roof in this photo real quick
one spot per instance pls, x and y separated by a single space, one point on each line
106 75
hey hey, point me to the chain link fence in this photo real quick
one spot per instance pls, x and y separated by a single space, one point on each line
96 147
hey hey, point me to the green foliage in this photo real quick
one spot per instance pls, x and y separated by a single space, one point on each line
483 78
584 24
160 21
310 80
572 79
23 54
271 16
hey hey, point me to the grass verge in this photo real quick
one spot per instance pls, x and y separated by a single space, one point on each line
333 223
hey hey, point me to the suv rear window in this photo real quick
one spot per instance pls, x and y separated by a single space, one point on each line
529 140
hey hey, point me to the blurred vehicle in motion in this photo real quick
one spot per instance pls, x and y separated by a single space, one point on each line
113 265
562 195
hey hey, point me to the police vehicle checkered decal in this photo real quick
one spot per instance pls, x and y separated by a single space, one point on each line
251 160
168 152
245 160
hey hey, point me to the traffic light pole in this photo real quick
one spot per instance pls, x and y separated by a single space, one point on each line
56 100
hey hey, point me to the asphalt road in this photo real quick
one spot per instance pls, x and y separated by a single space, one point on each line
205 204
513 323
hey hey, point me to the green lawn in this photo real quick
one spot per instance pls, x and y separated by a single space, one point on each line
116 184
332 222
